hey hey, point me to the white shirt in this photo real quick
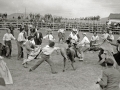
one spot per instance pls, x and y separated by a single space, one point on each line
47 50
94 38
61 30
111 37
49 37
33 41
8 37
105 35
84 41
21 37
73 36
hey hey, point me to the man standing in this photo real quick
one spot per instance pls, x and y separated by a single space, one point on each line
84 45
26 28
7 41
38 38
94 39
110 36
74 35
11 29
61 34
21 39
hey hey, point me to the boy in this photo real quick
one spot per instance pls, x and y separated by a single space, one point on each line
45 56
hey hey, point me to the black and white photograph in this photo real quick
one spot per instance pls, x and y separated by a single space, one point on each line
59 44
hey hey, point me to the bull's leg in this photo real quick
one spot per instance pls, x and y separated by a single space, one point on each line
72 57
100 53
72 64
63 53
64 65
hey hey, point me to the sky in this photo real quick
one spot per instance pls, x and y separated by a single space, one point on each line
64 8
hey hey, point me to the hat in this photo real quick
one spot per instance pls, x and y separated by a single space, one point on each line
29 38
109 61
51 43
1 57
74 29
84 33
110 32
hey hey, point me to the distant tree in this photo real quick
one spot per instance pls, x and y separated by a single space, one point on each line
19 17
98 18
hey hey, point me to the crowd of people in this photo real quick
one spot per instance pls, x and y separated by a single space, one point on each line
29 42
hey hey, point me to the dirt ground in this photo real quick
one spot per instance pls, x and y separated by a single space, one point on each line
83 78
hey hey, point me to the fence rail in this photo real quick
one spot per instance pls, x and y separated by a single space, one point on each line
86 27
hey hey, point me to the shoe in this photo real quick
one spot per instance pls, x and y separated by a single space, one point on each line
54 72
81 59
25 65
30 70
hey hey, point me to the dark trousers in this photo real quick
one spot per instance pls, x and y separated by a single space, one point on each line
42 59
9 48
20 50
100 53
37 41
117 57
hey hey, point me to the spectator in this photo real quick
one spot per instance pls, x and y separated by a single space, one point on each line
74 35
94 39
21 39
11 27
84 45
110 36
38 37
49 36
7 41
105 35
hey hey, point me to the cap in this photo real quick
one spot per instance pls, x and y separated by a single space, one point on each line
109 61
84 33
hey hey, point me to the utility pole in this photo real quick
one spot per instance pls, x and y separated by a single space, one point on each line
25 12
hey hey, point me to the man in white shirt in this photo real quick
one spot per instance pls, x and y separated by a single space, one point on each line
94 39
7 41
110 36
105 35
84 44
85 40
21 39
74 35
49 36
45 56
61 34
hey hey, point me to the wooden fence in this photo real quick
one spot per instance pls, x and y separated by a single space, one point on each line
85 27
